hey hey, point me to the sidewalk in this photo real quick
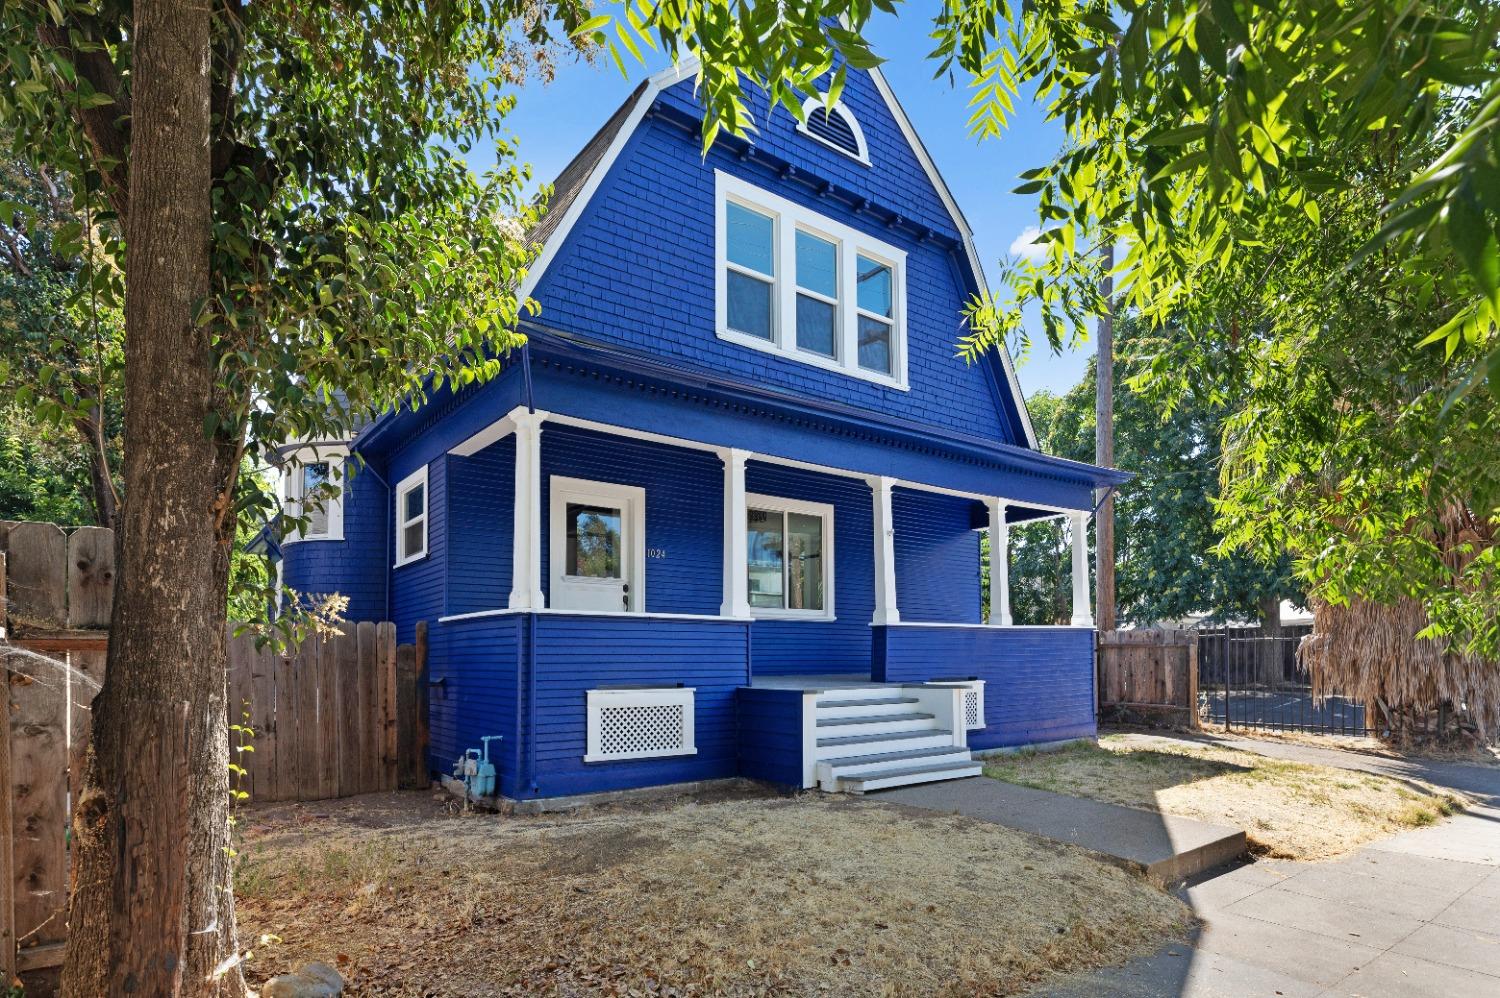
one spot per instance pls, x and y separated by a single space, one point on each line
1415 915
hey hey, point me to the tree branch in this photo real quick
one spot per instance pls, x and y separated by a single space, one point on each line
104 127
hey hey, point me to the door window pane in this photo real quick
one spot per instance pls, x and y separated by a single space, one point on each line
874 345
804 547
817 265
749 305
593 542
765 558
874 287
816 325
751 238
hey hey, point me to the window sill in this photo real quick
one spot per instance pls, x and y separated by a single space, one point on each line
799 356
409 561
806 617
297 539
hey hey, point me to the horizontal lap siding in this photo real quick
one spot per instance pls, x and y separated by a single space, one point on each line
937 557
770 739
356 566
684 510
481 499
474 664
1039 682
418 589
577 654
796 647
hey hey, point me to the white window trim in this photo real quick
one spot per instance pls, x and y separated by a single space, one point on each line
818 101
292 486
411 481
597 700
789 217
634 564
820 509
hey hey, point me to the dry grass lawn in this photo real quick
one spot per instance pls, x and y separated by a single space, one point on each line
739 895
1288 810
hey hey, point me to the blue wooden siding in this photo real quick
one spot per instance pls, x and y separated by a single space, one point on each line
481 521
574 654
639 267
356 566
770 741
937 557
1039 681
473 665
684 510
418 588
822 647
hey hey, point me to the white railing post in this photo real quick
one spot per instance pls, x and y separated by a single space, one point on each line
886 611
526 542
1082 614
999 565
736 602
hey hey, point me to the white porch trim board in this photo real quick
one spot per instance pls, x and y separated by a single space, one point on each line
526 555
1082 614
736 582
999 565
886 610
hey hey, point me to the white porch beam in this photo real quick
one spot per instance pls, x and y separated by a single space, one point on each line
1083 616
526 547
886 611
999 564
736 585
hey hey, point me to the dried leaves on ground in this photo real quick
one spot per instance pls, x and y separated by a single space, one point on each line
742 895
1288 810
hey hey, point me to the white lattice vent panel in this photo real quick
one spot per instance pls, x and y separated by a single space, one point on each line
639 724
974 705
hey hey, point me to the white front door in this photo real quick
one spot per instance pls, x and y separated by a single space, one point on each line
598 548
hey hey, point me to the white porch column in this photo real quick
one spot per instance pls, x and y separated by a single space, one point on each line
526 542
999 565
736 545
886 611
1083 616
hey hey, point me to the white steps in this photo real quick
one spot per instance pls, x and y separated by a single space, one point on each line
878 737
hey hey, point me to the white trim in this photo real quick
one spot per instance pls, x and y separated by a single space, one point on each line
817 101
406 485
736 581
986 627
553 611
494 433
292 483
1083 615
632 560
526 513
884 530
824 511
850 244
999 564
915 142
597 701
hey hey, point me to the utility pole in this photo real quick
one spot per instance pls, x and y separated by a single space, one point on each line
1104 446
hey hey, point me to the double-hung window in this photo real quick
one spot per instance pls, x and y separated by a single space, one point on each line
789 551
801 285
411 517
312 490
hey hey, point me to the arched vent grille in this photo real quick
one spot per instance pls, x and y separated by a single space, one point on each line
833 127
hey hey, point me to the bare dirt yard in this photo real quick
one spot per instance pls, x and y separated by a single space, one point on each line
738 893
1288 810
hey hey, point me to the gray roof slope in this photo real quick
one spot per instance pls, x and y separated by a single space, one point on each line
570 182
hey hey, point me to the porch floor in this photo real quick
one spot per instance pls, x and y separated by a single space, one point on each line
840 681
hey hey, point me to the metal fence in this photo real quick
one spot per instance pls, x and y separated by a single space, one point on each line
1250 679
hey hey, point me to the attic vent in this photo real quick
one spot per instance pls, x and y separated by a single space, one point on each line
834 127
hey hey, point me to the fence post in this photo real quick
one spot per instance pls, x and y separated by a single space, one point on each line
1193 718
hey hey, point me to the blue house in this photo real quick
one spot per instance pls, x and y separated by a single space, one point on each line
721 516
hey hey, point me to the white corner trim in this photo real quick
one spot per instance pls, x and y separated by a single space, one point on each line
818 101
411 481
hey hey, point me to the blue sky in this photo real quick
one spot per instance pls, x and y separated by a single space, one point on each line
552 122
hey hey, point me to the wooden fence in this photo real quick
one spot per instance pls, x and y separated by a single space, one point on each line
1150 672
343 714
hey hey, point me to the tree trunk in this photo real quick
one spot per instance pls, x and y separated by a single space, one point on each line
1271 654
151 910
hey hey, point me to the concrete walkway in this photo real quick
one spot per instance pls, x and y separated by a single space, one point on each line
1415 915
1165 848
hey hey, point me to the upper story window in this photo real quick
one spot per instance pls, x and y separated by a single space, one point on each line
411 517
312 489
795 283
835 127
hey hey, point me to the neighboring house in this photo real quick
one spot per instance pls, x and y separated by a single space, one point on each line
720 516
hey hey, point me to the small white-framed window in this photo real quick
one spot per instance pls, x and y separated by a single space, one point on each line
835 127
800 285
789 557
412 501
312 488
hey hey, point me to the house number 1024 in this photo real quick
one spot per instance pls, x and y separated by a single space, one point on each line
656 552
